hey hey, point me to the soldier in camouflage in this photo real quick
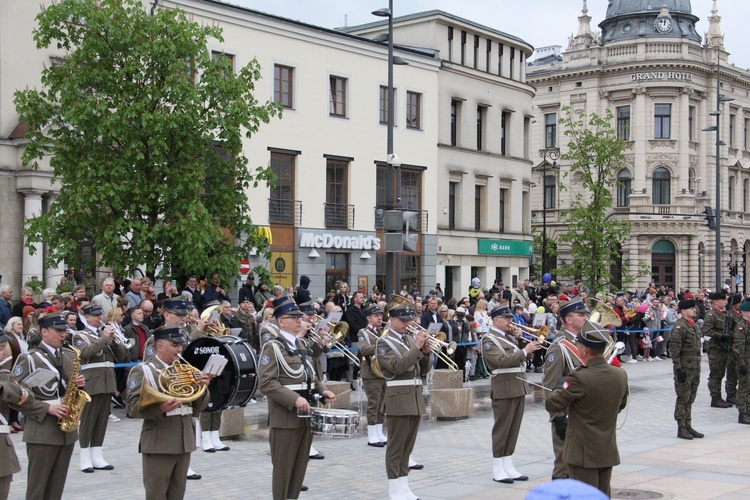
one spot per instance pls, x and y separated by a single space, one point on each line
685 351
717 327
742 351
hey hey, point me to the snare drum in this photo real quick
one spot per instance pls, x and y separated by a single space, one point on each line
335 423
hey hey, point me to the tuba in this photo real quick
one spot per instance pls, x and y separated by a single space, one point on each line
214 328
601 313
74 398
180 381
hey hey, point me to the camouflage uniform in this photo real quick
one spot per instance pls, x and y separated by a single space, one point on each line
685 351
742 351
721 359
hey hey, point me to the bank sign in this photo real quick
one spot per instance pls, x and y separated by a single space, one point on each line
327 240
505 247
662 75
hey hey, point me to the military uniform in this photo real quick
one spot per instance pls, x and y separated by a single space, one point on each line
594 394
167 440
403 364
267 332
98 356
12 393
506 362
374 385
48 448
287 371
721 360
742 352
562 358
685 351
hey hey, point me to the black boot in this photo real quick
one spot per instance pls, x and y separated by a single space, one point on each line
683 433
717 402
744 419
693 432
731 400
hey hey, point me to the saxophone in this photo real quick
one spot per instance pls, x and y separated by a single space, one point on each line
74 398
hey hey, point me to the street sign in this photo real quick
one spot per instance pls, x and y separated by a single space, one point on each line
244 266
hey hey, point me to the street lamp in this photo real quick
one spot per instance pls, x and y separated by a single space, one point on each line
717 128
391 258
554 155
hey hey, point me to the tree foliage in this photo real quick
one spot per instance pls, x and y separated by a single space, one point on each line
143 129
596 155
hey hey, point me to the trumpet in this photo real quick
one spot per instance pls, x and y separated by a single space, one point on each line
436 345
339 332
119 338
538 334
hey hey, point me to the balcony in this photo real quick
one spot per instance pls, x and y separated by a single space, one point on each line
338 216
422 220
284 212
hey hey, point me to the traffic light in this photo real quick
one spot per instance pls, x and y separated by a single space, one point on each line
710 218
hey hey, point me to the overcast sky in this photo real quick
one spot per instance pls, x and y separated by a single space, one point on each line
539 22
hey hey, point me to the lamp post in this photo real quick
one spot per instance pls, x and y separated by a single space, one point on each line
717 128
554 155
391 258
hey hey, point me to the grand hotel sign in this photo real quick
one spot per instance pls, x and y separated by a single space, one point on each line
662 75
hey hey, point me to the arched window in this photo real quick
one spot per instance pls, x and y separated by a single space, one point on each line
624 185
660 187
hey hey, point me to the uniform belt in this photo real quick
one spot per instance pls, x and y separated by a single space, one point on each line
182 410
4 429
101 364
397 383
297 387
498 371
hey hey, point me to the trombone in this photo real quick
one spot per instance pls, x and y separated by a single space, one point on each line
339 332
436 345
538 334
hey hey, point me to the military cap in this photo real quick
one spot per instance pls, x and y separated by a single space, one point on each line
571 306
501 311
745 306
373 309
177 305
53 321
594 336
402 312
93 310
171 332
686 304
285 306
717 296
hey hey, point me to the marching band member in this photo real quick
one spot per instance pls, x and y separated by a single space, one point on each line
48 447
287 378
562 359
402 360
317 349
374 384
506 361
99 351
168 435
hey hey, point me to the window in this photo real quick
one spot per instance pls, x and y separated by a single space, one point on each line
455 109
623 123
550 184
283 85
383 110
411 189
660 186
454 203
480 127
227 60
338 96
337 270
476 51
413 110
730 195
550 130
504 133
662 120
747 133
463 48
450 44
526 136
624 186
478 207
512 60
691 123
487 59
732 128
411 266
281 203
504 198
336 208
500 60
745 192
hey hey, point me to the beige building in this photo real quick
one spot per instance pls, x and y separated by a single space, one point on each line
658 77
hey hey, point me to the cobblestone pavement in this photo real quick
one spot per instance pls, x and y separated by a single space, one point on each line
457 454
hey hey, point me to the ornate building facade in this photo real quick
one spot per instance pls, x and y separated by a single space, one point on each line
658 77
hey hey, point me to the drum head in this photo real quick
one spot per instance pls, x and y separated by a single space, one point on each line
239 380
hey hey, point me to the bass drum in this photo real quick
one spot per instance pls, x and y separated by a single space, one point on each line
239 380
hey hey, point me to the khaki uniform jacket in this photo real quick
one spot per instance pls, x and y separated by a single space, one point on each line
161 434
267 332
129 332
713 327
275 353
41 427
95 350
400 359
501 351
11 395
685 346
741 343
366 340
594 394
559 363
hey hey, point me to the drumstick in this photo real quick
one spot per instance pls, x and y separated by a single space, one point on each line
341 394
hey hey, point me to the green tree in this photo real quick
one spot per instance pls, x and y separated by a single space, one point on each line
143 129
596 155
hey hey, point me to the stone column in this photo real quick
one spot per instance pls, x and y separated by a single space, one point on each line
32 264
